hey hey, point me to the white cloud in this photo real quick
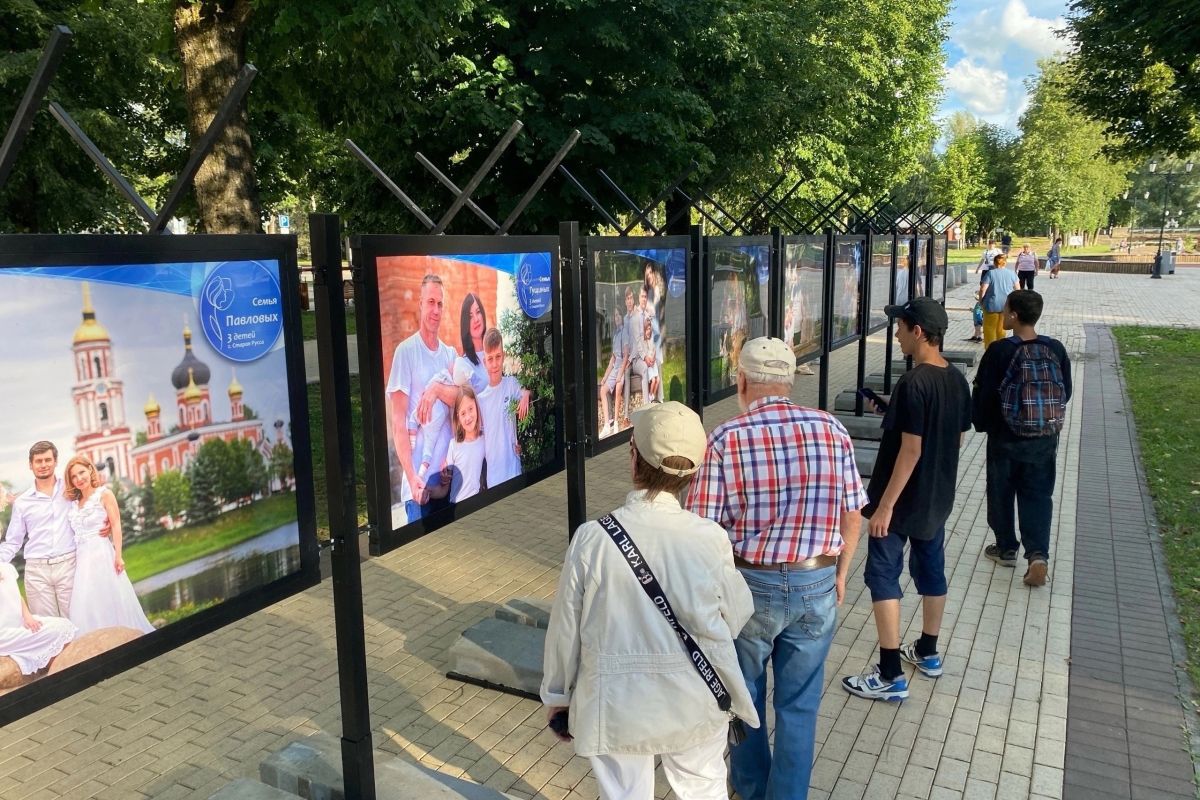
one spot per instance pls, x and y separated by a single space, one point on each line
983 90
988 36
1035 34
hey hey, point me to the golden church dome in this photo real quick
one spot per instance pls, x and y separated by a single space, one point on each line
192 392
90 330
152 407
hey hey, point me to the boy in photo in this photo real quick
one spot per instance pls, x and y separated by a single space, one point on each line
613 382
497 403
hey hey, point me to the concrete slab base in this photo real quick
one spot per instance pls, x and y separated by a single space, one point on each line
844 404
312 768
865 454
502 654
864 427
967 357
531 611
247 789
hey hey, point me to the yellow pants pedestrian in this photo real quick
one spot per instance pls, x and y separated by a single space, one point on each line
993 327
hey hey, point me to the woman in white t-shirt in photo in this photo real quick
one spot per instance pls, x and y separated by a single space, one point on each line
463 475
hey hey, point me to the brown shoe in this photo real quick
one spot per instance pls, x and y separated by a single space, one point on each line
1036 574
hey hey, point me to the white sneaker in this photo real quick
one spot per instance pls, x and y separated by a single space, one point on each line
872 686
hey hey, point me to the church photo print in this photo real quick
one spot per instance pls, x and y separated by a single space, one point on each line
147 468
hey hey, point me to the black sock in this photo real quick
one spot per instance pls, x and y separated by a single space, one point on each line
889 663
926 645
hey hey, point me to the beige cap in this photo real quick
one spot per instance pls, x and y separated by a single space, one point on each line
768 356
669 429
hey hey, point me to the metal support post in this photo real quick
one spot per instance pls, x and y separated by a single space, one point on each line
358 770
826 324
570 286
887 347
697 305
864 318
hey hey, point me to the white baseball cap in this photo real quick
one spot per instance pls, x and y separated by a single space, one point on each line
669 429
768 356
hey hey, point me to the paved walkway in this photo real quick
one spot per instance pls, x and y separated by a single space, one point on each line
997 724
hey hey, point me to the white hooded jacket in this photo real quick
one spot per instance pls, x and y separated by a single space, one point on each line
611 655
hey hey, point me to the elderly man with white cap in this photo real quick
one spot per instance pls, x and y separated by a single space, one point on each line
782 481
640 644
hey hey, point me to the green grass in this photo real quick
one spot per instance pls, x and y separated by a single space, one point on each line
143 559
308 323
1041 245
184 611
1162 373
317 432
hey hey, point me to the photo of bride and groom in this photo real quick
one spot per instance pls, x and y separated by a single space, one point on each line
68 530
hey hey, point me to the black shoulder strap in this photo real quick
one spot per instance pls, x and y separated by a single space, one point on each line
641 571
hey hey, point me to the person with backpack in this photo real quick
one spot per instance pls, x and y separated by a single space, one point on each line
1020 399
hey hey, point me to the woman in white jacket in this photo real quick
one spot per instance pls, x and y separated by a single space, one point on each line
612 657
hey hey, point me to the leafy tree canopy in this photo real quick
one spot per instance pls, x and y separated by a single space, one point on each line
1137 70
839 94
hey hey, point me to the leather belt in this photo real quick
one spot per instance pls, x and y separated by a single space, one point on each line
51 560
816 562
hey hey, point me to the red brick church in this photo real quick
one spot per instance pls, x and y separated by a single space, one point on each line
104 432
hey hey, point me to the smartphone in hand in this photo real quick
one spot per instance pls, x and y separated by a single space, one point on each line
871 397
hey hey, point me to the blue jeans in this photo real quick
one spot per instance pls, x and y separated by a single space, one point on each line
795 613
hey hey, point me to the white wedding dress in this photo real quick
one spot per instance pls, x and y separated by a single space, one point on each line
100 598
32 650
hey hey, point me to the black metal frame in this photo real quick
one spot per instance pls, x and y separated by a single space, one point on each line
107 250
709 394
850 338
939 290
877 303
787 241
365 250
593 246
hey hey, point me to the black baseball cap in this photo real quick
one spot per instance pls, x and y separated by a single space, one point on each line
923 311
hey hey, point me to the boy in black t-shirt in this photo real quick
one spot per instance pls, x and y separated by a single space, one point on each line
1020 470
910 497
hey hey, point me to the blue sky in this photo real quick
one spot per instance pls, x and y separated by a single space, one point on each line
992 47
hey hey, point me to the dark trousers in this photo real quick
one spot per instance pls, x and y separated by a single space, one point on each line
1021 472
1026 279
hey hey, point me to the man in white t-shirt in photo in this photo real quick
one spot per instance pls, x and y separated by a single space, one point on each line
416 360
501 454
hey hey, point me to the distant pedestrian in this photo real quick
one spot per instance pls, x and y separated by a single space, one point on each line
910 497
993 291
988 257
782 481
1005 242
1021 391
635 687
1027 267
1054 258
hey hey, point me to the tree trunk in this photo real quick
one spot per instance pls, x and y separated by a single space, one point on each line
211 36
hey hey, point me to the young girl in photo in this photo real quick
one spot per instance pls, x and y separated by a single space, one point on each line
462 476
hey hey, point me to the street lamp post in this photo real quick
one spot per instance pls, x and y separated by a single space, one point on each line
1168 178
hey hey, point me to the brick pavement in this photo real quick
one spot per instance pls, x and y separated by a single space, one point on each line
995 725
1123 732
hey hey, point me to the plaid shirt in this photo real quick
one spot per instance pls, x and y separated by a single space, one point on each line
778 478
